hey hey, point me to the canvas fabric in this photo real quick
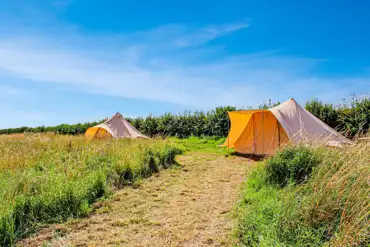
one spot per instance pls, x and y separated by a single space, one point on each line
301 125
115 127
264 131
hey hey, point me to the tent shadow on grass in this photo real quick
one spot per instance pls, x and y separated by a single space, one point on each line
248 156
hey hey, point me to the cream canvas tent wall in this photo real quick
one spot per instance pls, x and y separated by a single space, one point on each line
115 127
264 131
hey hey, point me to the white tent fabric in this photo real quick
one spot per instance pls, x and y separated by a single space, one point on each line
119 127
300 125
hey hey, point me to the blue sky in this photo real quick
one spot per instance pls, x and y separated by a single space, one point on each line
68 61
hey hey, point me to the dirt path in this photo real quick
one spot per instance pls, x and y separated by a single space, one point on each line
185 206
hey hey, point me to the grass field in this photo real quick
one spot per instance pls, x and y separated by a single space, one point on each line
188 205
204 144
306 196
302 196
50 178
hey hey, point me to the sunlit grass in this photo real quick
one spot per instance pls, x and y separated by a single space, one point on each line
47 178
202 144
329 205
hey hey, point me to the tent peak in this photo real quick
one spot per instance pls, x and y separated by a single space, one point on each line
289 101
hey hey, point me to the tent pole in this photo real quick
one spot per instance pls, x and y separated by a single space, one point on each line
278 133
228 139
263 131
254 135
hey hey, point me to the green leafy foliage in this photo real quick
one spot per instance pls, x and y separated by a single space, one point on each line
63 129
352 119
292 165
212 123
325 112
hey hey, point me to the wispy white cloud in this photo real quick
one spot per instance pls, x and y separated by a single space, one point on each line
178 35
168 64
205 34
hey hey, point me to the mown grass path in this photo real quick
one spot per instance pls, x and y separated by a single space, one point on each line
189 205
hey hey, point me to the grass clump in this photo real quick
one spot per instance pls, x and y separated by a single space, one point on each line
326 204
262 202
51 178
292 165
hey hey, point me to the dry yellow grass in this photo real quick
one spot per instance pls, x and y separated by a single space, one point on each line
46 178
341 192
187 206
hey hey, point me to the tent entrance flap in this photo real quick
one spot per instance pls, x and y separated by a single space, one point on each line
239 122
102 133
261 134
97 132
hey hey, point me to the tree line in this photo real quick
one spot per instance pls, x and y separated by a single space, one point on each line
351 118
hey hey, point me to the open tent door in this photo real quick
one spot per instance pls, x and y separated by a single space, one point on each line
97 132
260 134
239 121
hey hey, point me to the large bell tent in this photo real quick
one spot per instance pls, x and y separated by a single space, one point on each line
262 132
115 127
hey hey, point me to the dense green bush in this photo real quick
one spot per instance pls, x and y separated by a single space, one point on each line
291 165
351 119
354 119
63 129
326 112
212 123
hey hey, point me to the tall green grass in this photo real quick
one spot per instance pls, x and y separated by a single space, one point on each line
51 178
325 203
